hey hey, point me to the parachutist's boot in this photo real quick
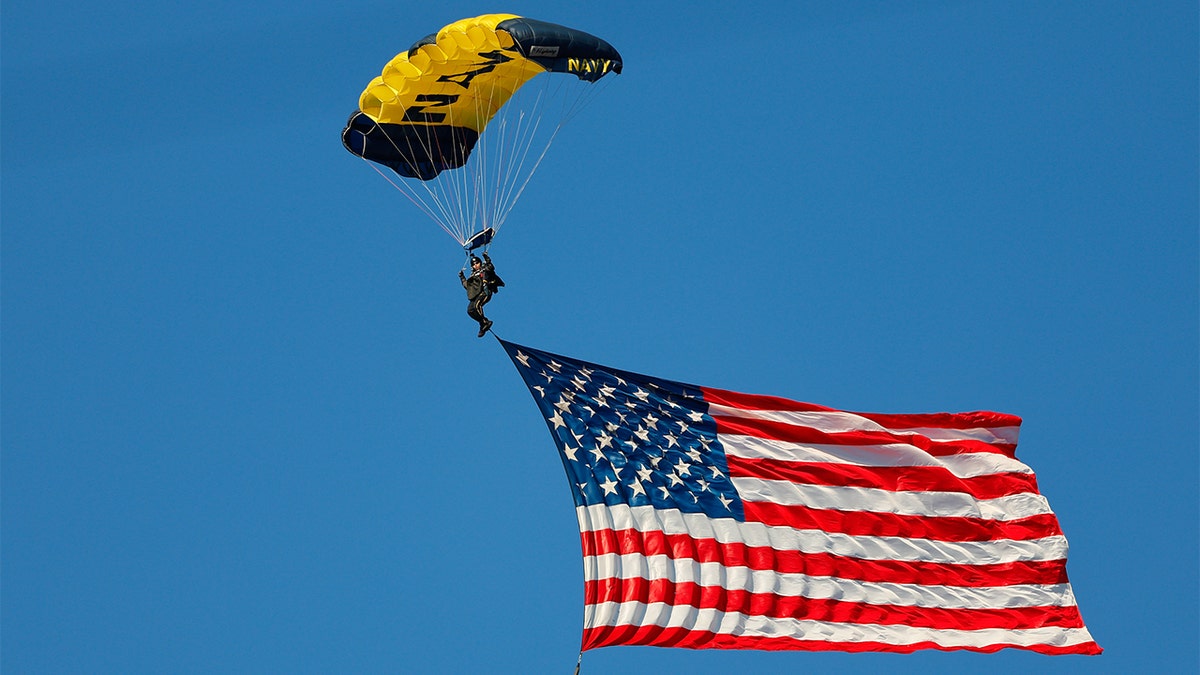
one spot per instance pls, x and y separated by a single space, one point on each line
484 327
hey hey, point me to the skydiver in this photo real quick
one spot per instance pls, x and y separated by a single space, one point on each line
481 285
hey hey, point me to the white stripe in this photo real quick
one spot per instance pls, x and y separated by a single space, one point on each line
749 625
967 465
907 503
833 422
714 574
730 531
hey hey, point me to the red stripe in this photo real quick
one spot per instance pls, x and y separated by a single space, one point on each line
604 636
703 550
980 419
894 478
792 433
870 523
775 606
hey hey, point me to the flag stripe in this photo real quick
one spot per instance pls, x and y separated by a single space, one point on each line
998 424
775 605
868 523
783 431
732 578
735 625
925 503
866 547
738 554
969 465
1064 642
893 478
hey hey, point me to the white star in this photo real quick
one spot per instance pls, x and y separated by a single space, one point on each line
555 366
696 416
641 394
558 420
523 358
655 460
570 452
563 404
675 479
695 455
682 468
683 426
540 390
703 485
645 474
609 426
716 473
636 488
666 493
604 440
610 487
581 385
725 501
643 434
599 455
586 372
672 441
606 391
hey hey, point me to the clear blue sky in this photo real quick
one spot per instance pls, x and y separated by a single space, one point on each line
248 427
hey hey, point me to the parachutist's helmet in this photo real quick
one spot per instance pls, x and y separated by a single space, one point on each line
475 261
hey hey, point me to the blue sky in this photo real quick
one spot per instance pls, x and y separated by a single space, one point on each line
248 427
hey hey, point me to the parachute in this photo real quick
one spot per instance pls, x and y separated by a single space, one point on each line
425 116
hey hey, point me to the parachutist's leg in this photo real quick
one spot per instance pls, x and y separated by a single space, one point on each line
475 311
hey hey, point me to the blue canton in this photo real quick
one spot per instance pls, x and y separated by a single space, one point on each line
630 439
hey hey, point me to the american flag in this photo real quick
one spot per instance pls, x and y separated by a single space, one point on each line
716 520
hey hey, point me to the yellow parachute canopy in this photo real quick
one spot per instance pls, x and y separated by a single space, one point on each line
428 109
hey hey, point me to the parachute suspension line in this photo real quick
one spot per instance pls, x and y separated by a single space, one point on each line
440 189
509 200
507 143
439 192
524 133
414 198
490 150
494 168
570 107
446 220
